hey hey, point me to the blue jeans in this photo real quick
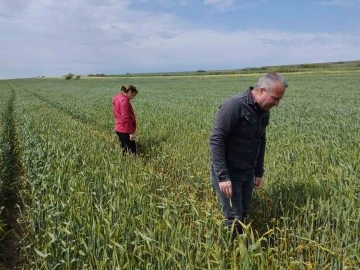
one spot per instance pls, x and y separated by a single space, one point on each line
242 187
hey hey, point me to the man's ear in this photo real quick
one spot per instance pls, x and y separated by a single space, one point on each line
262 91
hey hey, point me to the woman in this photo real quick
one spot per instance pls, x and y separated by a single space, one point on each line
125 121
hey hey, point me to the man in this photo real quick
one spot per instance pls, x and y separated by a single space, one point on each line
237 146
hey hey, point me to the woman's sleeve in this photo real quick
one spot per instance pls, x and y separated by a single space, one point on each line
125 114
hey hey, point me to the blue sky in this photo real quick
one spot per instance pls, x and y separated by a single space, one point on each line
53 38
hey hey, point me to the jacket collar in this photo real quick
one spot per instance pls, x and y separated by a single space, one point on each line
249 97
251 100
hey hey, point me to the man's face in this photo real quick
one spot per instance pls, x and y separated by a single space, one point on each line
267 99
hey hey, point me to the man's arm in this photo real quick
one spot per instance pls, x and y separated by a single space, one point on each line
259 169
226 118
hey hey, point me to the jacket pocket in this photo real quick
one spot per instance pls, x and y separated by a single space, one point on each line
250 119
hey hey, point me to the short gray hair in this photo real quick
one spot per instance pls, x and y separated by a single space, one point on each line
268 81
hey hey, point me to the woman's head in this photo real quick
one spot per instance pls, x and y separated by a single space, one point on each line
129 90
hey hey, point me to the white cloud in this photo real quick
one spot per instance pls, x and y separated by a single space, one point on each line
227 5
53 38
219 4
341 3
7 6
70 35
199 49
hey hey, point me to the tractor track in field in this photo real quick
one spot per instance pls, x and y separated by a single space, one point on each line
95 126
59 107
10 198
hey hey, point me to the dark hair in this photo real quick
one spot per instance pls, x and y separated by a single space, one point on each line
129 88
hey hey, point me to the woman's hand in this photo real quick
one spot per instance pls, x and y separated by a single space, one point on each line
132 137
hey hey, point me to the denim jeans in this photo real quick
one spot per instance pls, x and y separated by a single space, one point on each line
242 187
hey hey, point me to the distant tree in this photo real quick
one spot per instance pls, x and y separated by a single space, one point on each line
215 73
286 69
97 75
69 76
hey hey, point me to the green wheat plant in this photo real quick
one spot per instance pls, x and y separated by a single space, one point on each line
92 208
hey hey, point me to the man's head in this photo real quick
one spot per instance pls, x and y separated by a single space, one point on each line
269 90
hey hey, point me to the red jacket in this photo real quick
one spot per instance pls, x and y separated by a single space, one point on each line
125 121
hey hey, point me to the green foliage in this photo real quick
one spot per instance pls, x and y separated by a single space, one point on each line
72 76
69 76
97 75
214 73
313 66
10 183
92 208
286 69
5 94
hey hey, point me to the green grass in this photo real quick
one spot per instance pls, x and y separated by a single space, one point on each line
2 163
94 209
5 96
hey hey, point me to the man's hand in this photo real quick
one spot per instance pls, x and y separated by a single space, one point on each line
226 188
257 182
132 137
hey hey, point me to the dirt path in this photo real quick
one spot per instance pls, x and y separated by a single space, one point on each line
10 196
11 242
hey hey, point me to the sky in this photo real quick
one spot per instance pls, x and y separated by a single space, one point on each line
56 37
